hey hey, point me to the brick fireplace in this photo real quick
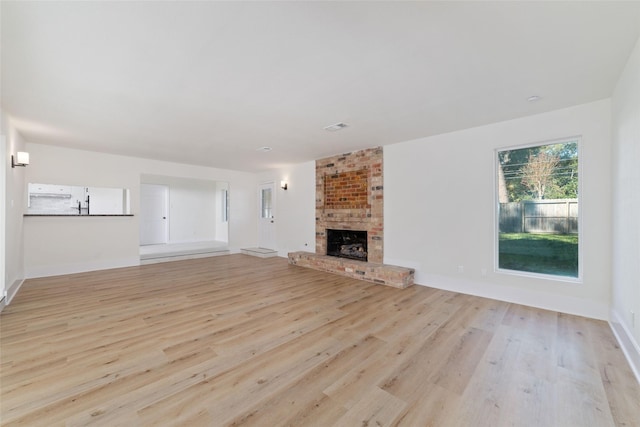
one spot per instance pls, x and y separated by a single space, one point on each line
349 196
349 200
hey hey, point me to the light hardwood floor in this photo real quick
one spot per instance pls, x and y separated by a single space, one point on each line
238 340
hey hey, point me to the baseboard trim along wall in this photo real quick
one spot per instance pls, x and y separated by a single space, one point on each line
629 346
564 304
61 269
12 291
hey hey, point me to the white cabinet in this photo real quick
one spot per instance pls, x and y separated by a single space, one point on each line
50 189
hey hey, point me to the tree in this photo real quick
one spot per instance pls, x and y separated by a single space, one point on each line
511 164
563 183
538 173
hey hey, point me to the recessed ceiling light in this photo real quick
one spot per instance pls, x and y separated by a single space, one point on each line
533 98
335 127
264 149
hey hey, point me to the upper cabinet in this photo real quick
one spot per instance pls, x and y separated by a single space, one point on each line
49 190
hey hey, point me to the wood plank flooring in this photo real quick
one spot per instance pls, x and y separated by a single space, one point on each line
239 340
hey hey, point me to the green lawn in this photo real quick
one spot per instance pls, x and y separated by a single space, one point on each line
539 253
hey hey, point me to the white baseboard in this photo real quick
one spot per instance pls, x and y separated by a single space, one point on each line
561 303
60 269
170 258
630 347
11 292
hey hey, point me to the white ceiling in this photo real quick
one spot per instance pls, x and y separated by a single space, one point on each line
208 83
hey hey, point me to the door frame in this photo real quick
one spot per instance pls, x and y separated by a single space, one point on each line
261 223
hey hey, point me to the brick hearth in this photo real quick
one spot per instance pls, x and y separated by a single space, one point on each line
382 274
349 196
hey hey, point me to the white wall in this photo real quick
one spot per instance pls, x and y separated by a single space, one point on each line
296 207
193 207
14 198
192 210
626 209
60 245
439 209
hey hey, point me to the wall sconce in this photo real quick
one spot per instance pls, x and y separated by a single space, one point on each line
284 185
21 159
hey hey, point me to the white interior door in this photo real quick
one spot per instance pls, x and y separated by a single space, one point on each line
267 215
153 214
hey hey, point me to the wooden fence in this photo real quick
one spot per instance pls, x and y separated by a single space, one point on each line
559 216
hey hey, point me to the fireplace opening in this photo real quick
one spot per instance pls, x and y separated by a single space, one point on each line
347 244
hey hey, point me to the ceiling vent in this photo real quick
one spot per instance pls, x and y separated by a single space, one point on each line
335 127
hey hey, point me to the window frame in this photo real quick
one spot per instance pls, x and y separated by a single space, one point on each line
496 212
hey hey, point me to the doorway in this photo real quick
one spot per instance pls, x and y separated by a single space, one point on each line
3 196
267 216
153 214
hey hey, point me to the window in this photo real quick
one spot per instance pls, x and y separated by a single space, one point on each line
225 205
538 209
265 203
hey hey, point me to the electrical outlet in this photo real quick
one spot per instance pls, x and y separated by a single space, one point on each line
461 269
483 271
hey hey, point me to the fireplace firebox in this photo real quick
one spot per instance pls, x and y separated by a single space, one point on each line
350 244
